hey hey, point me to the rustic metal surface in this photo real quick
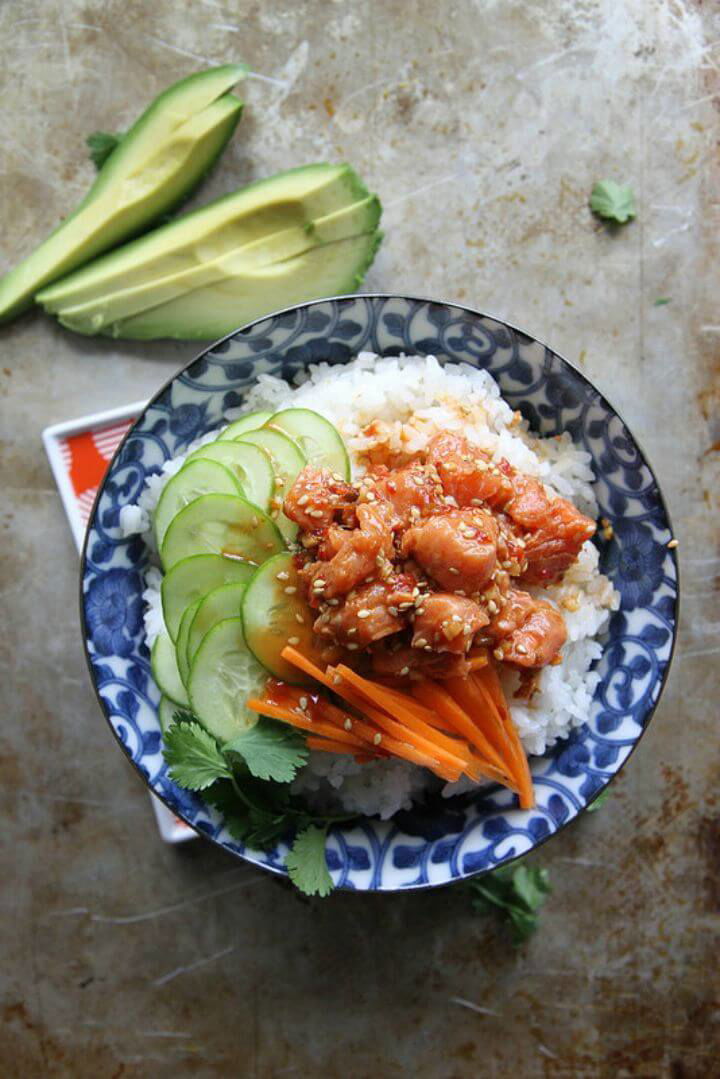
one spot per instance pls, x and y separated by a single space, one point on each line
483 126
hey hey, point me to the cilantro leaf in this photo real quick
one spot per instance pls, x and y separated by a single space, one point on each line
306 864
516 893
193 756
270 751
101 144
599 801
612 201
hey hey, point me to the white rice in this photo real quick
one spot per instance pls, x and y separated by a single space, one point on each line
399 404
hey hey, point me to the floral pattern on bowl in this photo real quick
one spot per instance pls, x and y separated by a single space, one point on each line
438 843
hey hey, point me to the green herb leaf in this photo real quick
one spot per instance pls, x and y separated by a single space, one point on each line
599 801
306 864
516 893
193 756
270 751
661 301
101 144
612 201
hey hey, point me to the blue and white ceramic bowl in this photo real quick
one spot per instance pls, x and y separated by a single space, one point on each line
440 843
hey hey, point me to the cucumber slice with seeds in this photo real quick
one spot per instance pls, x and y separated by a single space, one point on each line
165 670
274 614
287 460
192 578
224 602
250 466
249 422
196 478
221 524
182 639
317 438
224 675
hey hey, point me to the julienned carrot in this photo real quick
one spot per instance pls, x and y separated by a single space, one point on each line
402 743
433 695
398 706
471 695
291 655
305 722
328 745
426 714
489 680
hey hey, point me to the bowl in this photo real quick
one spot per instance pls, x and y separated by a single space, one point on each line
440 842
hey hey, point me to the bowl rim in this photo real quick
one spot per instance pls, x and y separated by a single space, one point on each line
475 313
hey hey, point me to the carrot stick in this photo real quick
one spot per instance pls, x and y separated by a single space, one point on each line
305 722
471 694
397 707
488 679
304 664
327 745
421 711
432 694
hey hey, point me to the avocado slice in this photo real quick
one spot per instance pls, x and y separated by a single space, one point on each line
217 309
95 315
160 160
293 198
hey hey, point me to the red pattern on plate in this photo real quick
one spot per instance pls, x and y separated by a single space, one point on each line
87 456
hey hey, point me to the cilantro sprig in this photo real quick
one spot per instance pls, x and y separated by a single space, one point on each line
515 893
247 781
613 201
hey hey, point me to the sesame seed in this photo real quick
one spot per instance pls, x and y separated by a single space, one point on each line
290 590
467 628
450 501
673 544
492 606
377 739
454 569
303 702
521 649
498 653
293 640
337 478
299 618
319 583
420 642
303 500
427 648
393 611
481 465
352 647
348 724
364 613
419 610
449 466
456 618
334 602
405 670
460 592
315 513
279 482
282 575
352 630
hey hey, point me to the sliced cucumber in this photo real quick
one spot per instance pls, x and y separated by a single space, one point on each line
271 611
221 524
250 466
196 478
166 713
182 639
165 670
224 675
317 438
192 578
249 422
287 460
224 602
